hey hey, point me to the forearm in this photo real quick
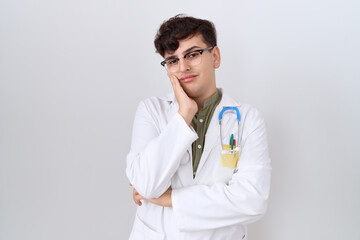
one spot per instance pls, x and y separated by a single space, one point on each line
150 169
202 207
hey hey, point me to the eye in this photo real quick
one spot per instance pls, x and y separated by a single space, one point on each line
192 55
171 62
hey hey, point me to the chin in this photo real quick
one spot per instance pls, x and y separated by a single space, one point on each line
193 92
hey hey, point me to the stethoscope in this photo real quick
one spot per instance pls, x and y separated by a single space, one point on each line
238 120
230 156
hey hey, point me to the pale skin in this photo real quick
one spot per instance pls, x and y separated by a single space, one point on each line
190 95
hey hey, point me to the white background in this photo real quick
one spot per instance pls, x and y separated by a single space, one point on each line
72 73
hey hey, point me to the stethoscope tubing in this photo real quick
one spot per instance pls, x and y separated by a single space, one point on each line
238 119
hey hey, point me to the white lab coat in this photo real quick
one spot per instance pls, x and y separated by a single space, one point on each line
219 202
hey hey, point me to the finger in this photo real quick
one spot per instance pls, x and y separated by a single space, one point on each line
172 81
137 197
134 195
178 90
175 80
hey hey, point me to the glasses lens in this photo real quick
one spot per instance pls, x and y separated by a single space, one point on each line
171 63
193 58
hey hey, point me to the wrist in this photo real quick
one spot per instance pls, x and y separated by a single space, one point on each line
187 116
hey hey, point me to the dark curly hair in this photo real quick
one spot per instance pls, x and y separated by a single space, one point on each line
181 27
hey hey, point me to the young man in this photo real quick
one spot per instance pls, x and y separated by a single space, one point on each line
187 190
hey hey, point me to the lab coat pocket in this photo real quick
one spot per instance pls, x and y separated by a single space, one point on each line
141 231
229 156
227 164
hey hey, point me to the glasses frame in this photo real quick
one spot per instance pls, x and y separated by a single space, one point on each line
163 63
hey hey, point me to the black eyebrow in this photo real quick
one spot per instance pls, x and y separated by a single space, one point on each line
184 52
171 57
189 49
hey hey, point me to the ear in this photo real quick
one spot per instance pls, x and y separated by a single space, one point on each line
216 56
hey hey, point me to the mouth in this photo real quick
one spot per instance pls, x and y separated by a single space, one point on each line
187 78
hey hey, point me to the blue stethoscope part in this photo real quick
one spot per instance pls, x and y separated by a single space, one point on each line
238 118
229 108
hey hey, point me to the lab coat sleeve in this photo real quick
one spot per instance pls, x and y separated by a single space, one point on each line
243 200
156 153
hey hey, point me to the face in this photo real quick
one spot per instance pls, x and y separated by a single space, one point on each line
198 81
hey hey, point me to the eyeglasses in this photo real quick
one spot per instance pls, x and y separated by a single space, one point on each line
193 58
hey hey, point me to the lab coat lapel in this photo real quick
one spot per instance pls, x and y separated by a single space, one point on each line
173 106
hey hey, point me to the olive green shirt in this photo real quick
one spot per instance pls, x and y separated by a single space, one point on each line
200 123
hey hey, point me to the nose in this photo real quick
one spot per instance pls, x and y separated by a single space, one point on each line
183 65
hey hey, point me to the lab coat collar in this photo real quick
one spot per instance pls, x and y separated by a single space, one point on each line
169 97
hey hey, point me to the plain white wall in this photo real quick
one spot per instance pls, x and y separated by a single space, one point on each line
73 72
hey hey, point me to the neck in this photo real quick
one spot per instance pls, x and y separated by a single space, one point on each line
201 100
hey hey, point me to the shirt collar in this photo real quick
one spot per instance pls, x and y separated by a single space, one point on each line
212 100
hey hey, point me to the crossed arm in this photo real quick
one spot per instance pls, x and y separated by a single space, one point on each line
187 109
163 201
